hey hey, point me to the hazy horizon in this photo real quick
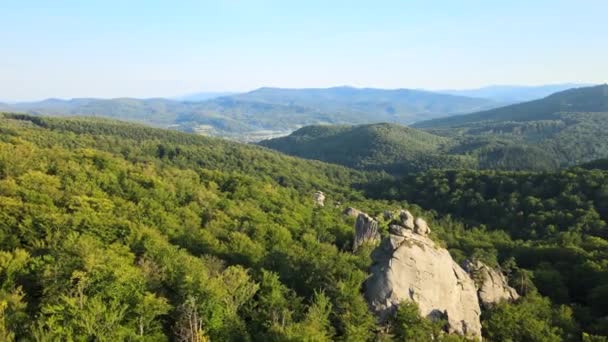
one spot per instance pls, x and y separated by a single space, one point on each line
142 49
178 97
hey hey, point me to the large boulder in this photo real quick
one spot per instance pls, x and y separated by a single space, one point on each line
319 198
409 266
366 231
407 219
421 227
492 285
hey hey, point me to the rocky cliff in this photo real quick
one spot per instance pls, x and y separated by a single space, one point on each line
408 265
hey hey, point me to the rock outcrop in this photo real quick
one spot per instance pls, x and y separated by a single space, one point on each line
319 198
350 211
409 266
366 231
421 227
492 285
407 219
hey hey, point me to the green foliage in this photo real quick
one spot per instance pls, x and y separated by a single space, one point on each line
531 319
119 232
112 231
408 325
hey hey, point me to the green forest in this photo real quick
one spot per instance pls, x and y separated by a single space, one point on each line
112 231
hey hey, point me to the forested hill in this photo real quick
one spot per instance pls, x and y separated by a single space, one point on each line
400 150
578 100
387 147
185 150
114 231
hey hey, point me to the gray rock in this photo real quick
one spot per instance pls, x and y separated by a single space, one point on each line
406 218
421 227
395 241
492 285
412 267
366 231
319 198
397 229
388 215
350 211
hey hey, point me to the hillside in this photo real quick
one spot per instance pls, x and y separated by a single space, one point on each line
388 147
266 111
116 231
399 150
579 100
569 127
514 94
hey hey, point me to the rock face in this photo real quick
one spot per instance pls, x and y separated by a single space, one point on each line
409 266
492 285
319 198
366 231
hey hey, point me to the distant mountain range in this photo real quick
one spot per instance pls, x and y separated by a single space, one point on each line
563 129
267 109
512 94
203 96
271 112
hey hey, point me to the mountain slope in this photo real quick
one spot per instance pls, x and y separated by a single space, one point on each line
388 147
588 99
514 94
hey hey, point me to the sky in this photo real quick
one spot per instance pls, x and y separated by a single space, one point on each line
137 48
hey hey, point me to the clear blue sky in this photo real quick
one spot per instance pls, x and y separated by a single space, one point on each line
111 48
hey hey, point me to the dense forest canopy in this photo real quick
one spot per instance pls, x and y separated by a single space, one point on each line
114 231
